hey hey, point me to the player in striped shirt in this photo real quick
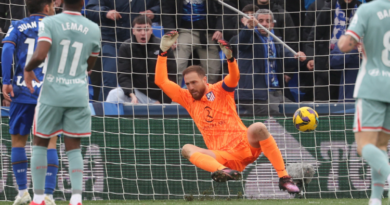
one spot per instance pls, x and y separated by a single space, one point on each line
231 145
19 44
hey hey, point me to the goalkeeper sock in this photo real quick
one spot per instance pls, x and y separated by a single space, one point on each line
272 152
76 170
38 172
52 169
206 162
377 161
377 182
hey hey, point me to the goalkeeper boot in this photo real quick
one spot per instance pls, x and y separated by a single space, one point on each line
225 175
22 200
286 183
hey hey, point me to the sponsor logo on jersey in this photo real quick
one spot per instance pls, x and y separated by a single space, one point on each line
210 96
19 82
50 78
374 72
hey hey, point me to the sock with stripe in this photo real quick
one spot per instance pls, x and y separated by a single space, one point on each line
205 162
272 152
19 167
52 169
76 167
38 172
376 159
377 182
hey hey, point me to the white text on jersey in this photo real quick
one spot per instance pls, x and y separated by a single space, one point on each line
69 81
19 82
74 26
26 26
383 14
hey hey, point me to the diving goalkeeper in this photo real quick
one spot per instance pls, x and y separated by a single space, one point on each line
231 145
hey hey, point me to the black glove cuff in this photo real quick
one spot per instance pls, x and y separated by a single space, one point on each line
231 60
162 53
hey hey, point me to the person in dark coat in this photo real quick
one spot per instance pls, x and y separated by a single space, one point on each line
331 22
261 61
115 20
284 25
348 64
137 60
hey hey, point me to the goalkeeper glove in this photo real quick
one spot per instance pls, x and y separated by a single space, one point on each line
168 40
226 49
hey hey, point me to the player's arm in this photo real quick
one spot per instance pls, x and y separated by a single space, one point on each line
91 62
38 57
7 56
170 88
355 31
9 46
230 82
347 43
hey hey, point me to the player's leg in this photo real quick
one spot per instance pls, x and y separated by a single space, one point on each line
185 46
210 59
369 121
259 137
208 160
378 180
47 124
77 124
21 119
52 170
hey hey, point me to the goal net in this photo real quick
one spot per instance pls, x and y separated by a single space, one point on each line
134 152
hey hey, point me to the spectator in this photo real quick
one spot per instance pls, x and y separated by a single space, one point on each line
199 24
115 19
350 63
331 23
284 26
261 65
137 60
249 10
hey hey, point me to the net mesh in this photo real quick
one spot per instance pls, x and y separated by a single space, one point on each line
135 150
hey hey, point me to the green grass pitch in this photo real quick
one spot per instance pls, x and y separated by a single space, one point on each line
230 202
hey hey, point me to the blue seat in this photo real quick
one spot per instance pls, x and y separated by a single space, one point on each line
158 31
112 108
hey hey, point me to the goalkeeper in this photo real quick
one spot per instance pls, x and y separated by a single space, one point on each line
231 145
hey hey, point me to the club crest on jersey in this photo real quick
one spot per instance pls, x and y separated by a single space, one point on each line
210 96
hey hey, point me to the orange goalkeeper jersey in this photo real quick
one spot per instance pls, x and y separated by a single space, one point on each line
215 114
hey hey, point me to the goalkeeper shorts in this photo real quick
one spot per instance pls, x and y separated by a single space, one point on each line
371 116
50 121
238 159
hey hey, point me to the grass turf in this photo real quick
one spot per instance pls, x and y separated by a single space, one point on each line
229 202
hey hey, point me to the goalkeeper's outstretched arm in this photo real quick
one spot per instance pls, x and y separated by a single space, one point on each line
161 79
231 80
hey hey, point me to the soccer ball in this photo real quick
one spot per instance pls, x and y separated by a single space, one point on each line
305 119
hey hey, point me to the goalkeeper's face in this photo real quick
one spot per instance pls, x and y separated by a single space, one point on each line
142 33
266 21
196 84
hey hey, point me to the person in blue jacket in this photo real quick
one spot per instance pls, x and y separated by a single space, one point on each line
262 61
115 19
348 63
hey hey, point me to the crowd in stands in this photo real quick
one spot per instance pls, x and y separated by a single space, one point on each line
270 74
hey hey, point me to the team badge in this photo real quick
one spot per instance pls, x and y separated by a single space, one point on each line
210 96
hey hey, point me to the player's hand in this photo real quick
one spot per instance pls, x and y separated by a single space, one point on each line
252 22
226 48
6 103
7 91
148 14
168 40
29 76
113 15
217 36
287 78
310 65
301 56
134 99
